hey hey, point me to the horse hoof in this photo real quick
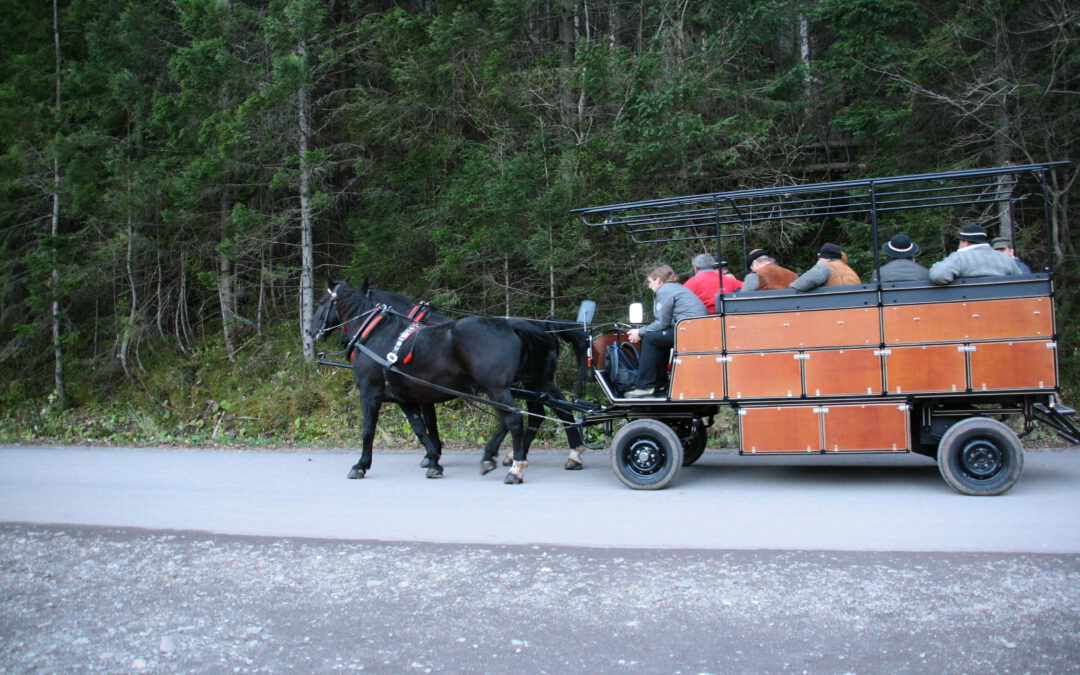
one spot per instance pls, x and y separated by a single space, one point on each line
424 463
356 473
572 465
508 460
435 472
513 479
487 466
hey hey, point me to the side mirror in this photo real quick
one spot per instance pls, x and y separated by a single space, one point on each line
586 312
637 313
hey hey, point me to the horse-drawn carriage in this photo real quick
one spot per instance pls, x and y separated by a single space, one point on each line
869 368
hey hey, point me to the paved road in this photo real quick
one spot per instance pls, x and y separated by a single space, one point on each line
137 560
726 502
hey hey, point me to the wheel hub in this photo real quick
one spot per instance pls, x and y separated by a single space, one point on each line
981 459
645 457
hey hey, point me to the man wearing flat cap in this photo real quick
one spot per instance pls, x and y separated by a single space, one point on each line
901 266
972 258
1003 245
765 274
830 270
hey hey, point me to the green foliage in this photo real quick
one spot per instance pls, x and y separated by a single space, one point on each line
448 144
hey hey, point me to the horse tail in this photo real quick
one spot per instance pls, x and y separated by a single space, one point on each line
539 354
574 335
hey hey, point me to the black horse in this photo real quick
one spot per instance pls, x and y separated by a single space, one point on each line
417 366
545 331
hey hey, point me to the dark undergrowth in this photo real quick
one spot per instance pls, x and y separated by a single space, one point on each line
267 397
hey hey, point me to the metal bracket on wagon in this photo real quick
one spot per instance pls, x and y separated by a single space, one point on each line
1057 418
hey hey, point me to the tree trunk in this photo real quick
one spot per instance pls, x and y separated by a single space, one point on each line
307 252
506 285
129 330
1002 136
226 292
54 277
567 44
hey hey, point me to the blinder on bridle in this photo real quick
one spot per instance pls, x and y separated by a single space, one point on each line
324 312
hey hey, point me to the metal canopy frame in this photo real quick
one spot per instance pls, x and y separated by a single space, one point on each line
721 215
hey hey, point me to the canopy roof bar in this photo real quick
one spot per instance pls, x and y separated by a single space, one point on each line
790 191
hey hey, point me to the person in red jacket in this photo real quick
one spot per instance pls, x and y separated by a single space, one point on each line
707 281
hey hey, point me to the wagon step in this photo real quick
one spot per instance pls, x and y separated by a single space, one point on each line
1057 418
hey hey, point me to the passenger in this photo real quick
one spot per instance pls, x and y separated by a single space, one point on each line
673 303
830 270
706 282
902 267
972 258
765 274
1003 245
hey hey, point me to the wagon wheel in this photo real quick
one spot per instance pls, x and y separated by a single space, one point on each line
694 437
980 456
646 455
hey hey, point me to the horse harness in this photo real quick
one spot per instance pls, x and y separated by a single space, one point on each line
373 317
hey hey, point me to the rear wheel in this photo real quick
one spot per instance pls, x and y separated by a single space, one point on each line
980 456
646 455
694 437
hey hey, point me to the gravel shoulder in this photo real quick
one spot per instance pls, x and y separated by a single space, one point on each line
78 598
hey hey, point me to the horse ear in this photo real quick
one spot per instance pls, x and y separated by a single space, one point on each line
366 286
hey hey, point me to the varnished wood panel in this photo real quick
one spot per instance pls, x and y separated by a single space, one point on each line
964 321
697 376
834 372
861 428
600 344
787 429
801 330
925 369
704 334
1013 365
770 375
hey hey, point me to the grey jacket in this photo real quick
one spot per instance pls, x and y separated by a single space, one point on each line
674 302
818 275
902 269
977 260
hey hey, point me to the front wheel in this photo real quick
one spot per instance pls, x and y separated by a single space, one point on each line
646 455
980 456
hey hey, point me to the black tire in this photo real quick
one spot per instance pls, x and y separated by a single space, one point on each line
980 456
694 437
646 455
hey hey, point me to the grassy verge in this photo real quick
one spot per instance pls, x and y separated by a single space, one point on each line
267 397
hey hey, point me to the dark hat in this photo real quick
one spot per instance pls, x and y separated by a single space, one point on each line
973 233
754 255
830 251
1001 243
901 246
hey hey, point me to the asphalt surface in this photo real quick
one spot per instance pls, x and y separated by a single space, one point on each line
135 560
864 502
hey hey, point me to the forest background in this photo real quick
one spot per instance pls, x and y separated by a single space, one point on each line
177 177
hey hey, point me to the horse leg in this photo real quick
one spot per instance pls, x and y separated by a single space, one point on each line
370 404
414 413
573 433
512 421
431 425
532 426
491 448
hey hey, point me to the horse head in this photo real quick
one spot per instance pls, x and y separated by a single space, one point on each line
326 315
